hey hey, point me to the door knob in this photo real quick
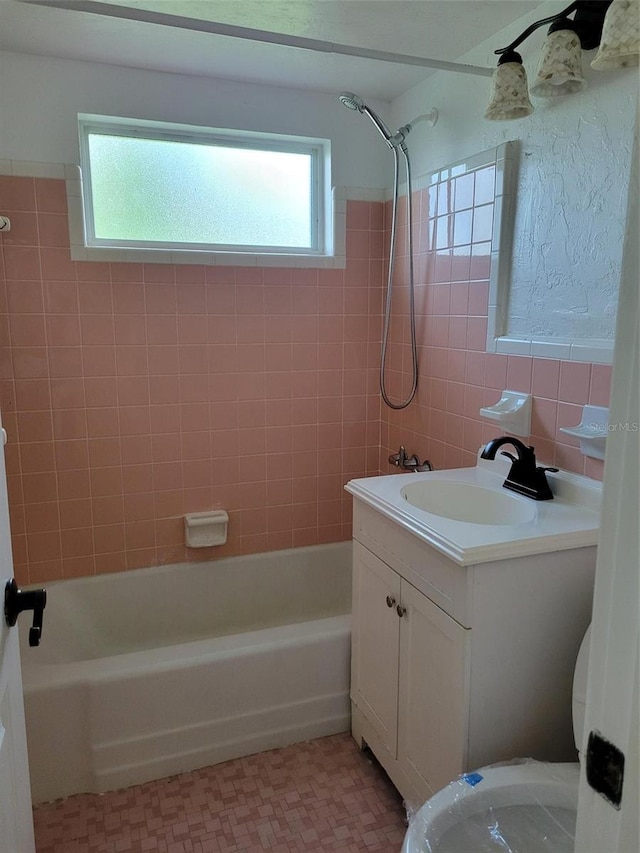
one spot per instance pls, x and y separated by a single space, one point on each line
390 601
17 600
400 610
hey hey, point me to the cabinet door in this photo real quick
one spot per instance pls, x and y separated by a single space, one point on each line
375 643
433 693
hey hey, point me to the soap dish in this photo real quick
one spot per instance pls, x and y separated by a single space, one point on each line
512 412
591 432
205 529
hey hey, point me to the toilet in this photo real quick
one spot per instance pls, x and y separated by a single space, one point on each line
523 806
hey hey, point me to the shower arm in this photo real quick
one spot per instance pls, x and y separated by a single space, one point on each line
431 118
401 133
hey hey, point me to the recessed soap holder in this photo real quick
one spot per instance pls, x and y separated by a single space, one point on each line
512 412
591 432
205 529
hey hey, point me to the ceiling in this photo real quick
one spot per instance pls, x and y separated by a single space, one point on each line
438 29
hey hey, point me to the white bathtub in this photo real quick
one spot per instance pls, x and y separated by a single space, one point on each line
152 672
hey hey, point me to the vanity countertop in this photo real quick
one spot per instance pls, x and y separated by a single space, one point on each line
570 520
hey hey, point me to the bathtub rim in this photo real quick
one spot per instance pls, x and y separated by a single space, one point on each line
38 676
202 565
92 595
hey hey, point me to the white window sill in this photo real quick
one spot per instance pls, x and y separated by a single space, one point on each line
566 349
238 259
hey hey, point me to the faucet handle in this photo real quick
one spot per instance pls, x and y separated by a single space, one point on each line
409 463
398 459
543 469
508 455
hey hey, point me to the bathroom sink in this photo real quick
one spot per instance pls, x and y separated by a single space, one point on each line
467 514
468 502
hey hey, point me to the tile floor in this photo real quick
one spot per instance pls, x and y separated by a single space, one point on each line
324 795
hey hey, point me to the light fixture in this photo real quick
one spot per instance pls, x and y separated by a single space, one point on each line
559 69
509 92
560 64
620 42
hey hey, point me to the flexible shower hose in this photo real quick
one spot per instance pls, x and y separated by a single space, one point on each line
392 257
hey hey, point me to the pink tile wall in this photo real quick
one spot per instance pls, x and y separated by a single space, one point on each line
457 376
133 393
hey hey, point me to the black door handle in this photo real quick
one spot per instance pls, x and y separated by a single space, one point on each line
16 600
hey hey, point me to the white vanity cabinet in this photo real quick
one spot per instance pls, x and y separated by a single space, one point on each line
408 672
375 644
455 666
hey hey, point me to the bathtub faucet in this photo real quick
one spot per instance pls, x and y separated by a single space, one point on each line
409 463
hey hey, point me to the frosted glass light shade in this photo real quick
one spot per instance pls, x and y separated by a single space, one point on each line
509 93
620 42
560 66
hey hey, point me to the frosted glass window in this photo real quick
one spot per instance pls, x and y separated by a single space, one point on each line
146 189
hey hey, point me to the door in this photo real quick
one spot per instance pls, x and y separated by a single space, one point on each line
613 690
16 820
375 641
433 695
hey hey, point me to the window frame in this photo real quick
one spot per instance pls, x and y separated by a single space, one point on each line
318 150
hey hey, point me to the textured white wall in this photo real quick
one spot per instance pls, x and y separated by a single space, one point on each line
572 185
40 98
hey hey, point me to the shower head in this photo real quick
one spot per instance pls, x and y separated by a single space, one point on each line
355 102
351 101
393 140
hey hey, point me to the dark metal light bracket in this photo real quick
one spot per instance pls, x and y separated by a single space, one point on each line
587 22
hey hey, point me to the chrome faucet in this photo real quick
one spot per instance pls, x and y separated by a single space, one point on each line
409 463
524 477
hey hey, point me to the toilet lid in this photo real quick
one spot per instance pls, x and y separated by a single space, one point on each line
580 689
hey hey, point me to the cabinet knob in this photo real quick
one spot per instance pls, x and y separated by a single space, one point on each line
400 610
390 601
